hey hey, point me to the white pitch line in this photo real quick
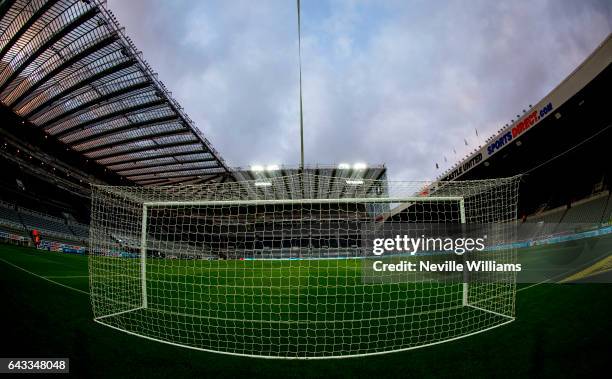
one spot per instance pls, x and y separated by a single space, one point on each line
42 277
533 285
568 272
66 276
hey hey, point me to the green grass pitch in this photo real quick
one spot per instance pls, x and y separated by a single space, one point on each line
561 330
284 308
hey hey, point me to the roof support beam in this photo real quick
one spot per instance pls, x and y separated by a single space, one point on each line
189 176
164 171
211 178
125 128
87 105
195 180
380 174
161 182
5 5
146 148
118 113
156 182
171 163
79 85
166 155
126 141
55 38
67 63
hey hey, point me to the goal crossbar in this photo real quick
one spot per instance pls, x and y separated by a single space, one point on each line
345 200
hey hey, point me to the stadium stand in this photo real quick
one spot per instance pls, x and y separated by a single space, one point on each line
9 217
46 223
589 210
79 230
552 216
20 221
607 215
590 213
17 223
560 145
11 228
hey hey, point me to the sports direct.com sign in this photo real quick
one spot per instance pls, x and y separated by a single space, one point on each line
518 129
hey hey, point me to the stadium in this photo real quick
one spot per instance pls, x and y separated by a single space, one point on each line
131 247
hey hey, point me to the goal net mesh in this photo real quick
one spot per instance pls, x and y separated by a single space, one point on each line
277 267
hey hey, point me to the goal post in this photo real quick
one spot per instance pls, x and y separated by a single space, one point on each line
300 202
143 256
284 270
465 291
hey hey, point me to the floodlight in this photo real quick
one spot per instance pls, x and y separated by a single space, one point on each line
273 167
360 166
344 166
257 168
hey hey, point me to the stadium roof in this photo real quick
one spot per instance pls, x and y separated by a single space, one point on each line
321 182
67 67
344 180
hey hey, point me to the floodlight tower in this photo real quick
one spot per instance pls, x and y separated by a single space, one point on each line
301 107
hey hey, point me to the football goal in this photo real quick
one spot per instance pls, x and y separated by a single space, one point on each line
281 267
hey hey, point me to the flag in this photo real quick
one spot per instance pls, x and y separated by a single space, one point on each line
454 150
445 160
476 132
437 167
464 140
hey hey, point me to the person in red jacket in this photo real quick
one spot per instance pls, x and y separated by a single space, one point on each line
36 237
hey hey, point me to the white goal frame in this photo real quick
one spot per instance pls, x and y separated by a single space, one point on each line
411 199
154 202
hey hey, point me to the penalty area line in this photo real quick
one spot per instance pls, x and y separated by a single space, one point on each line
568 272
66 276
43 277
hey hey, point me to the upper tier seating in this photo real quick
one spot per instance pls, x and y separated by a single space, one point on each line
35 220
9 217
80 230
607 214
589 210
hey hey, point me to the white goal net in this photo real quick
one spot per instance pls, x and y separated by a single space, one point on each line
283 267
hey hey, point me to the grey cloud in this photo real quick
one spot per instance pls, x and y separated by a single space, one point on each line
401 83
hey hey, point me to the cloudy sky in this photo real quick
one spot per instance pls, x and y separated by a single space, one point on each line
395 82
